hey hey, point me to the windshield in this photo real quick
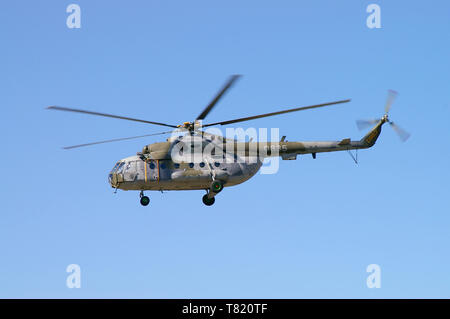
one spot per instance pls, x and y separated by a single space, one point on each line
117 167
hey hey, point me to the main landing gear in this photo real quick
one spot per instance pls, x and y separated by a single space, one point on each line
144 199
215 188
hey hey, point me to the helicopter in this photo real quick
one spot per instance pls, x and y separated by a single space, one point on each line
194 159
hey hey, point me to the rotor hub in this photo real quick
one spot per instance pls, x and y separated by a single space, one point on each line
186 125
191 125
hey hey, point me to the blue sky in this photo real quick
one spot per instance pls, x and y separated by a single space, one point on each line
308 231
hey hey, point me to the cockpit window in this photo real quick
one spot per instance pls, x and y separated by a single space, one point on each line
119 169
115 167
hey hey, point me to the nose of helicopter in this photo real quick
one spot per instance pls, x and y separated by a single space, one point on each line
110 178
113 176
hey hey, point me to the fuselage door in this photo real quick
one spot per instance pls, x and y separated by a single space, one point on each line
152 169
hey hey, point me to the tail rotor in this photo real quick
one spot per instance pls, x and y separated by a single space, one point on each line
402 134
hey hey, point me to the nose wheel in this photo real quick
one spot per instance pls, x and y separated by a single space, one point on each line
144 199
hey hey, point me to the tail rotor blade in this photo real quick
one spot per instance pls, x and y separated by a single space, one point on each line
363 124
400 132
390 99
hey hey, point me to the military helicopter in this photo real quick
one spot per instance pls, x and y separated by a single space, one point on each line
193 159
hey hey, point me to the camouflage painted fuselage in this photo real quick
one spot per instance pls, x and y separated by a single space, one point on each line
155 168
138 174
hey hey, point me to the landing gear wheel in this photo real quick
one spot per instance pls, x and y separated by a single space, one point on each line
208 201
145 200
216 186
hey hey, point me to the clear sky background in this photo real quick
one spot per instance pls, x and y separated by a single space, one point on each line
308 231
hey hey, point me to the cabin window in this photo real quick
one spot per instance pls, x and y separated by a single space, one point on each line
191 165
176 165
202 164
163 166
152 165
216 164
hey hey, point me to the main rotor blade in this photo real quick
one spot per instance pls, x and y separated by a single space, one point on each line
400 132
211 104
115 140
275 113
390 99
362 124
60 108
